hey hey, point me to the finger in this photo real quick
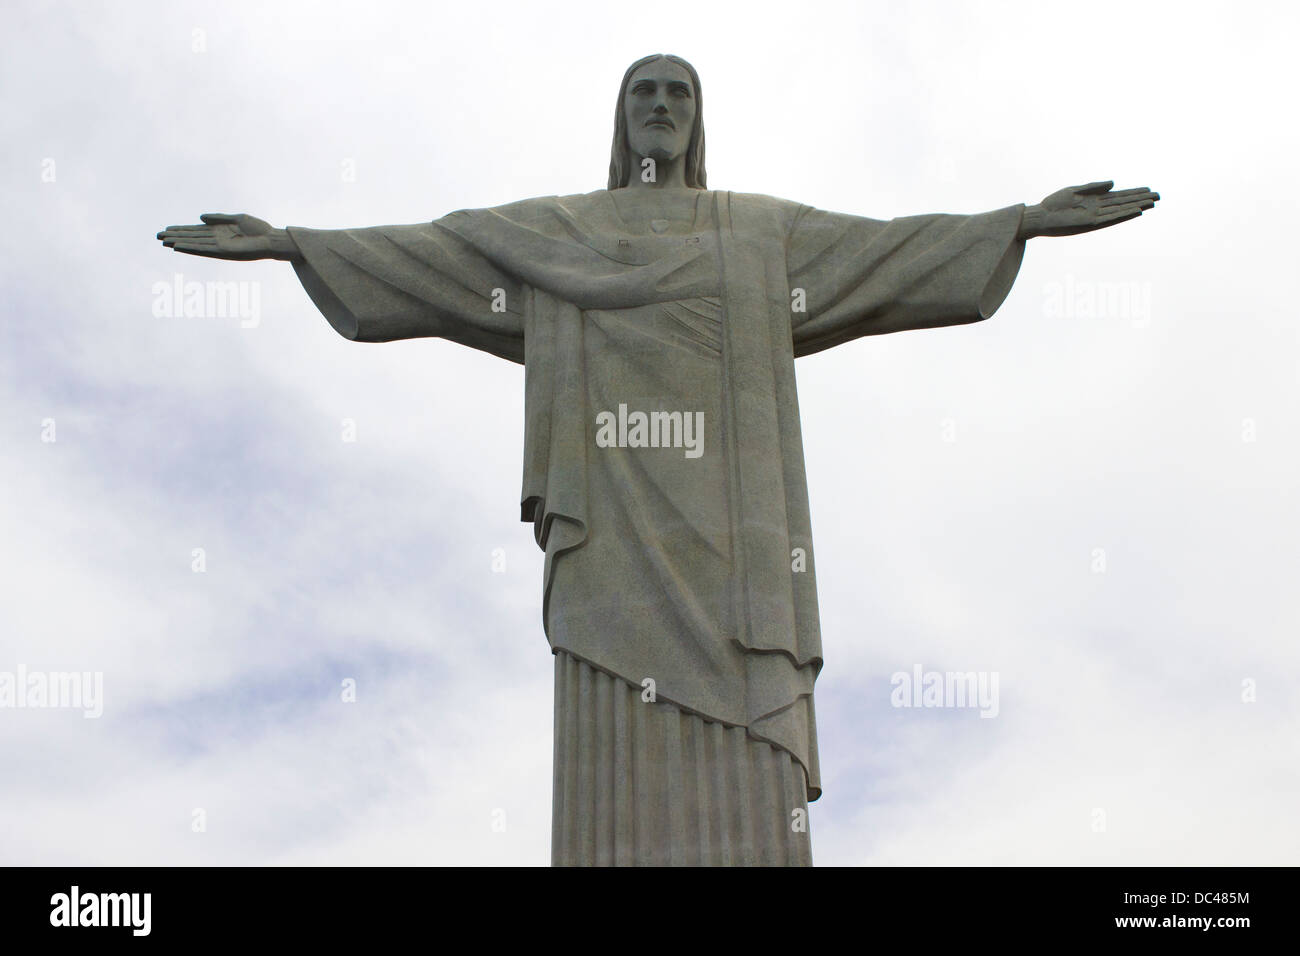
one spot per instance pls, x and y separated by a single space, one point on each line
1122 195
215 218
198 231
198 249
1131 201
1093 189
189 242
1129 208
1123 200
1116 217
1126 206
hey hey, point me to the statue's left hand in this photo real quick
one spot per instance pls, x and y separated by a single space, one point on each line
1076 209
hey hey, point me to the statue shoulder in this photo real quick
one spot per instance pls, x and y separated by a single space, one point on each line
543 214
780 213
542 209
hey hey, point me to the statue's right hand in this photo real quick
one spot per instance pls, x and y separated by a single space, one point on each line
222 236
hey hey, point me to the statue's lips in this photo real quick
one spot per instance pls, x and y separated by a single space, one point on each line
666 124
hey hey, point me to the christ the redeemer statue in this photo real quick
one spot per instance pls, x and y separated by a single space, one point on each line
658 323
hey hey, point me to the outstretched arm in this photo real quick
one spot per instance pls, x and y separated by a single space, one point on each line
1076 209
239 236
864 276
380 283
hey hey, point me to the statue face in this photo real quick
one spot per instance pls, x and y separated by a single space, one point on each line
660 107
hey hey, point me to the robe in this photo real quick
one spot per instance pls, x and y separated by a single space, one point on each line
680 583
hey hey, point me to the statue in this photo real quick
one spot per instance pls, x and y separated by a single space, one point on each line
658 322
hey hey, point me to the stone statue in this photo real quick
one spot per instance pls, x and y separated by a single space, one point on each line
658 322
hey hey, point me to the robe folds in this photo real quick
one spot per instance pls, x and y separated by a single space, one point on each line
684 571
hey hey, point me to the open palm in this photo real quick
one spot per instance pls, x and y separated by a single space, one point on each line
1076 209
223 236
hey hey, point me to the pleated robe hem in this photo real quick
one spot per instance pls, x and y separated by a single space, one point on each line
641 783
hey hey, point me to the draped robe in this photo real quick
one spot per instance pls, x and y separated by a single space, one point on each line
694 573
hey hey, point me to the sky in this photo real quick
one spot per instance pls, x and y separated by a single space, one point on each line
295 561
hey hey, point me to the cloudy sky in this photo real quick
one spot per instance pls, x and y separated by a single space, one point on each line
1093 494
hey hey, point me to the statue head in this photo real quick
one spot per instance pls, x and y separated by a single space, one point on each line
660 114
